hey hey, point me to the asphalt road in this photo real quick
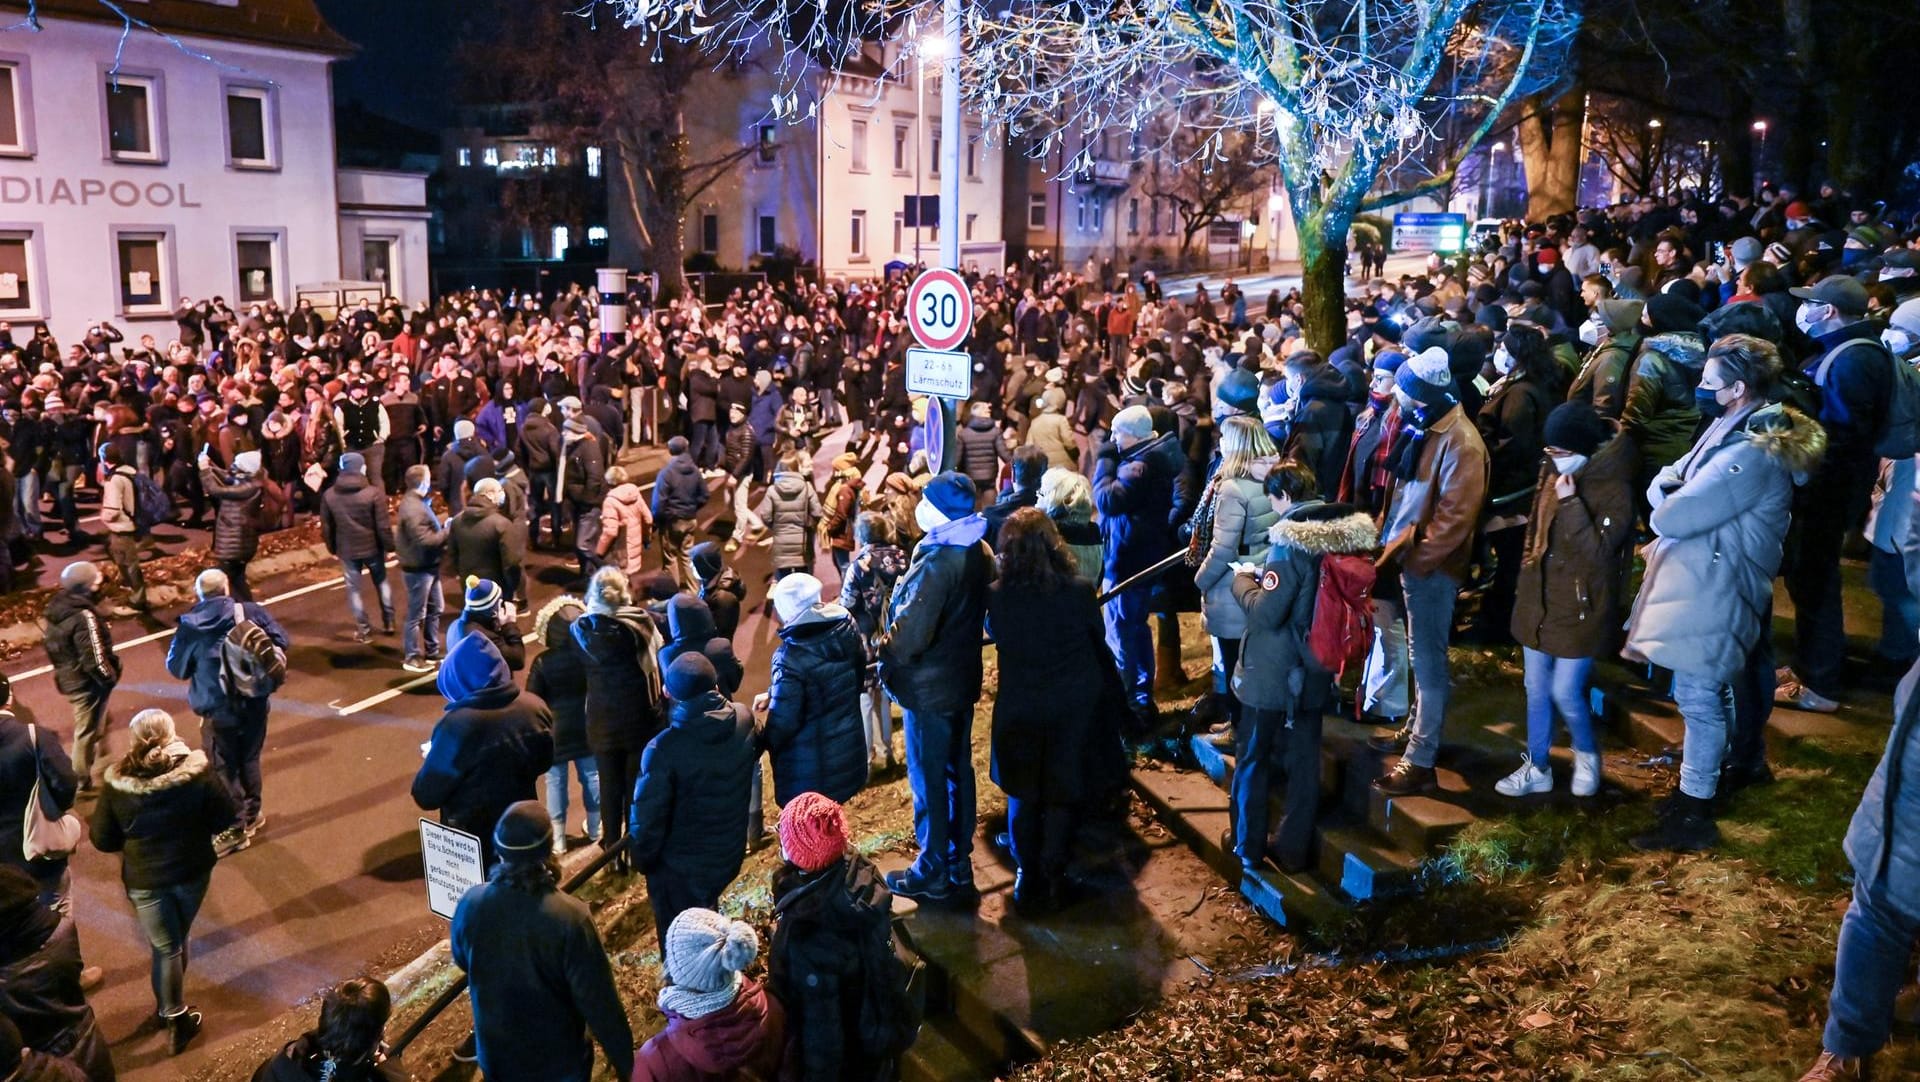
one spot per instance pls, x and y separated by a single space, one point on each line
332 887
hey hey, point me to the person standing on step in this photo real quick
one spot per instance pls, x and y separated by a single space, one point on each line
1231 528
1134 476
236 516
353 523
1567 596
160 810
85 667
930 663
420 543
233 721
1439 466
1719 519
1282 687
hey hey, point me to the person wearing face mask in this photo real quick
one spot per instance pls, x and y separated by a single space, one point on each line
1719 517
1439 488
1511 426
1660 414
1320 426
1578 537
1614 331
1853 374
1365 483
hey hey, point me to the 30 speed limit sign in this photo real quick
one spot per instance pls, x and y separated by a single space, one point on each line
939 309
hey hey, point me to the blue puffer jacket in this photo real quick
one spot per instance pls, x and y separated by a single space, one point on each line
1134 494
813 728
194 656
1883 843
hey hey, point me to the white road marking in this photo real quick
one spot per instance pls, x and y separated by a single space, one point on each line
381 697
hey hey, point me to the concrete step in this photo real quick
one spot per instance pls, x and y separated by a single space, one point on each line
1421 825
944 1053
1363 867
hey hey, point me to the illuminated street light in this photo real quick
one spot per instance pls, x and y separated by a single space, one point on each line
1760 126
933 47
1654 123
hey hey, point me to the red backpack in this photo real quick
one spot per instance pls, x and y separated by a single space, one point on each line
1342 629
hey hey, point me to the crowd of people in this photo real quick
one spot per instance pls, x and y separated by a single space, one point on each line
1603 435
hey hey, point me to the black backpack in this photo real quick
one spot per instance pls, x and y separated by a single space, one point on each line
893 997
151 505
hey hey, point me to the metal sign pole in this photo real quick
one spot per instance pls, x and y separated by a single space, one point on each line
951 136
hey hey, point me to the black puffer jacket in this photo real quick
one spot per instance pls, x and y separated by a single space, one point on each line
236 513
930 650
827 926
163 826
303 1061
1513 424
1321 427
982 450
814 731
689 813
353 519
480 541
623 678
40 984
79 644
559 677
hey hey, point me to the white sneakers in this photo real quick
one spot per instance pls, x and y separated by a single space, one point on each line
1526 781
1530 779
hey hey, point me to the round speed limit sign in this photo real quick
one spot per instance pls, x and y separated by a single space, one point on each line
939 309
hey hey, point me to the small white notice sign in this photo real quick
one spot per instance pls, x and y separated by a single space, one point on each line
453 863
9 286
941 372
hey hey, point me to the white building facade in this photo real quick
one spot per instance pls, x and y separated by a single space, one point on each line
133 177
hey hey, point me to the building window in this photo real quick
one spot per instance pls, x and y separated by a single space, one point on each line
1133 216
767 144
596 234
857 235
16 273
1153 216
1036 210
526 156
253 256
249 120
593 161
973 159
710 233
13 120
1099 213
561 240
899 233
465 155
857 147
768 233
900 137
491 156
1080 212
549 157
132 118
376 260
971 218
142 288
934 170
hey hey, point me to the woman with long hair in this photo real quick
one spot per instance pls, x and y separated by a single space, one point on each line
1067 498
1055 747
347 1045
1232 528
160 809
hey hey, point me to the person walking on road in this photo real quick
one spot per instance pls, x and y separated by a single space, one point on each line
160 810
481 543
233 723
420 541
678 494
539 978
930 664
489 749
353 523
583 485
236 516
119 507
85 668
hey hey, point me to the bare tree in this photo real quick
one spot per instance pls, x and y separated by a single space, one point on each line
1204 189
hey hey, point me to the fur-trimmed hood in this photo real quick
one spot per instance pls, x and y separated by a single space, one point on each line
185 770
1322 528
1789 437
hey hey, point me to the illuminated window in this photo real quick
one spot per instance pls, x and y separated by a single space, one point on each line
490 156
596 234
593 161
465 155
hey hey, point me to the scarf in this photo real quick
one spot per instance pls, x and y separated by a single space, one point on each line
1404 457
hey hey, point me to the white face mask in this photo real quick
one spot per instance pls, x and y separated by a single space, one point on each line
1897 341
1590 333
1569 464
1502 360
927 516
1809 316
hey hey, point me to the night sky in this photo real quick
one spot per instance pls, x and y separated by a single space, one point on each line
401 71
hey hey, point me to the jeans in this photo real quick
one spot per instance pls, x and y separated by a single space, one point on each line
1704 707
1130 639
350 572
426 600
586 536
1753 690
1430 601
703 443
1899 610
1557 682
940 773
589 775
542 500
876 712
26 503
1384 680
1042 834
1872 963
1813 581
89 727
1270 739
1226 655
233 751
166 916
124 550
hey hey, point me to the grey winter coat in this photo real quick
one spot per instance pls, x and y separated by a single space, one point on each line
1720 514
1275 671
1883 843
790 509
1242 515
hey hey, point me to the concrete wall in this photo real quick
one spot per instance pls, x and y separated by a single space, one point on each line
390 208
71 196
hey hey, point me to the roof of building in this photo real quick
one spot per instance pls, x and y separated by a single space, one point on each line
291 24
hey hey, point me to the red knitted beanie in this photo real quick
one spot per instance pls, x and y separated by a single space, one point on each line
813 831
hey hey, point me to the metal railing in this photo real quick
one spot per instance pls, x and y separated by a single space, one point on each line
454 991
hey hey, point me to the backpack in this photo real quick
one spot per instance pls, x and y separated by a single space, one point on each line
151 505
893 996
1342 630
1899 435
252 666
